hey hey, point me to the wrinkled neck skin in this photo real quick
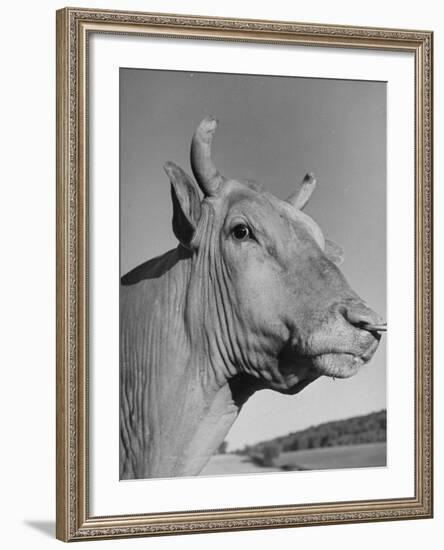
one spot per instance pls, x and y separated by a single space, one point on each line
185 373
178 397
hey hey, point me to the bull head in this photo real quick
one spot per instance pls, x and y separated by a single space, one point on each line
278 308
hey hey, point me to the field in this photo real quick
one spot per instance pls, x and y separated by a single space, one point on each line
345 456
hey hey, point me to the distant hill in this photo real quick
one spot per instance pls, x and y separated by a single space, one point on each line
369 428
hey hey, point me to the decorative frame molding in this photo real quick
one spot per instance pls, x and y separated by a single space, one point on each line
73 28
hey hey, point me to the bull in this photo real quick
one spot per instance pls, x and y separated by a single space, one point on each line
251 298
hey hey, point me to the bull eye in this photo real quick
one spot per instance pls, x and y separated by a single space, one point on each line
241 232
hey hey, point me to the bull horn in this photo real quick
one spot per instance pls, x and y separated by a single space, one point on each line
206 174
300 197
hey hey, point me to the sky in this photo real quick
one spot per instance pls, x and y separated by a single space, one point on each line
273 130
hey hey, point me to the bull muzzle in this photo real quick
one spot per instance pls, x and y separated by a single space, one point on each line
373 327
362 317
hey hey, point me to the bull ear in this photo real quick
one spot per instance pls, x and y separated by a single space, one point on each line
186 203
334 252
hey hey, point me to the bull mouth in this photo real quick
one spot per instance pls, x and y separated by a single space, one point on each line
299 371
343 364
338 365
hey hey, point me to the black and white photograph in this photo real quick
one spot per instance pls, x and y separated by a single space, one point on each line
244 274
253 274
219 313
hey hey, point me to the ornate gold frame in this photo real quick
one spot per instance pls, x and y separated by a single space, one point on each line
73 28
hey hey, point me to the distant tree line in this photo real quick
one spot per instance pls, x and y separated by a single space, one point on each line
369 428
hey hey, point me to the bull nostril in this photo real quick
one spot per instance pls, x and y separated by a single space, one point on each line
373 327
363 317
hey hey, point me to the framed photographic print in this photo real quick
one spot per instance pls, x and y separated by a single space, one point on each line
244 274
